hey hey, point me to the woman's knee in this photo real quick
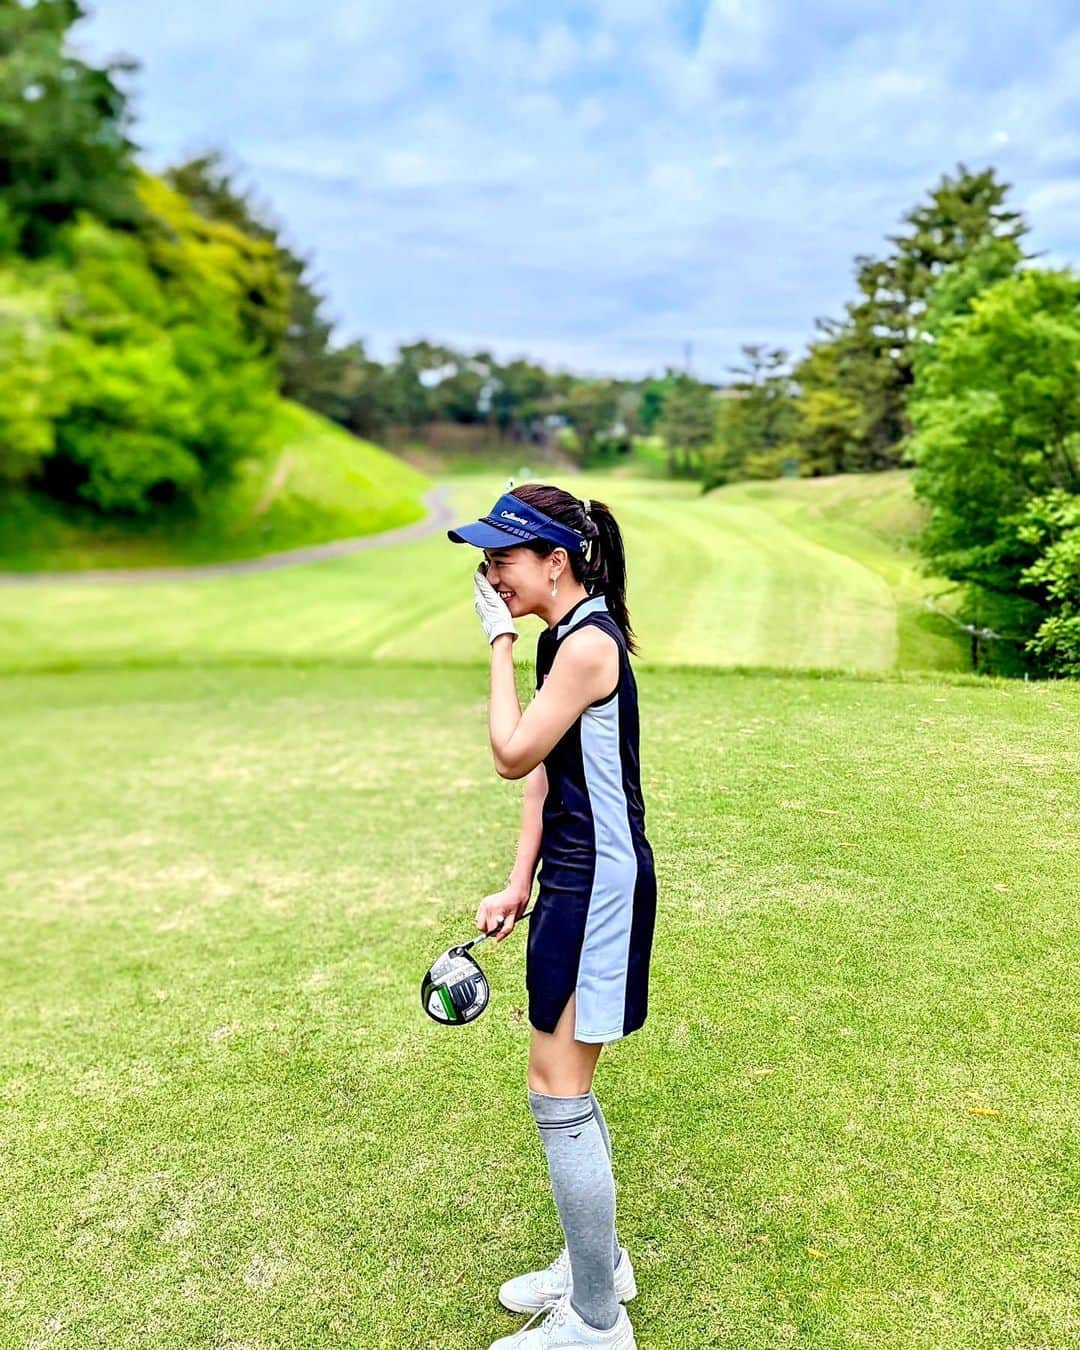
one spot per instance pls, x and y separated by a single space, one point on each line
560 1066
561 1080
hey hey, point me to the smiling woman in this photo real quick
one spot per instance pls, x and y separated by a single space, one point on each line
590 939
502 561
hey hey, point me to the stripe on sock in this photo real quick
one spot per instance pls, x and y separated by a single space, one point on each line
565 1124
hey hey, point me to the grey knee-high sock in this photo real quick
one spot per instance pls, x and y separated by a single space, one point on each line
607 1144
584 1190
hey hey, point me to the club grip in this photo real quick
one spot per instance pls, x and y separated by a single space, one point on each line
484 936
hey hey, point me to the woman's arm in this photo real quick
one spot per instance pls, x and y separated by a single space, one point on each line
511 902
585 666
528 848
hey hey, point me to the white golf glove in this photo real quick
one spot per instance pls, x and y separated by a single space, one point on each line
491 609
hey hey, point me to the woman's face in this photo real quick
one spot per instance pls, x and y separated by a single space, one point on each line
520 576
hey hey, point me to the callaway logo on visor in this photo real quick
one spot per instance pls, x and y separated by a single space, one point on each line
514 517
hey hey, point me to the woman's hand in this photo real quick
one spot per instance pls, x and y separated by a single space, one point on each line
508 903
491 609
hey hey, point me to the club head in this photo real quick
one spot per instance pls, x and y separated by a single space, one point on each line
455 989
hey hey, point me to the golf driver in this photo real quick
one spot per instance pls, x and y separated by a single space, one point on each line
455 989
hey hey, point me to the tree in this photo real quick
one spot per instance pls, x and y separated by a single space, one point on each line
825 429
312 370
651 404
876 341
1051 525
188 251
410 400
687 422
132 378
520 392
32 390
996 415
590 407
361 401
957 288
63 143
460 384
756 419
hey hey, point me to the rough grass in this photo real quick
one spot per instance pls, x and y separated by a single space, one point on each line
850 1120
312 483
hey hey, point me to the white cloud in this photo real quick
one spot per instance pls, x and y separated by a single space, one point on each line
605 182
1053 197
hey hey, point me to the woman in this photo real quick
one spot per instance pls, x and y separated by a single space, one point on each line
590 935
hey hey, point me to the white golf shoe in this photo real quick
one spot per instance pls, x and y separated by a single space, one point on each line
563 1329
527 1293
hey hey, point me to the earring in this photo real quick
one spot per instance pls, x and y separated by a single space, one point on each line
554 586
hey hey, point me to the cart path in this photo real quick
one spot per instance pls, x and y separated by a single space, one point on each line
439 514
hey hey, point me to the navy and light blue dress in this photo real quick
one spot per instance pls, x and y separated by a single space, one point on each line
592 926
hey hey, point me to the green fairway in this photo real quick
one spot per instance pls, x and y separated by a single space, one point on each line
851 1118
806 575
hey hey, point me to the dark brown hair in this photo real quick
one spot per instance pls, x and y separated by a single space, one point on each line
603 572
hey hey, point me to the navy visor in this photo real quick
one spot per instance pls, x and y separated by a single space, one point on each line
511 521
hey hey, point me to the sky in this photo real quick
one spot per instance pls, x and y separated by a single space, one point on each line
597 184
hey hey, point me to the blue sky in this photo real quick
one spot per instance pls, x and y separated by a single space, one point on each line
595 184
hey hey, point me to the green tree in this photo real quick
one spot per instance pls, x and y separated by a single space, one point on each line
361 399
827 415
134 380
1051 525
460 384
410 402
687 423
313 370
756 419
590 407
196 256
651 404
996 413
882 327
63 130
522 391
32 390
954 294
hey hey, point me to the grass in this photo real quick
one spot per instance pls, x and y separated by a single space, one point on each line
314 483
243 815
779 575
523 463
851 1118
871 519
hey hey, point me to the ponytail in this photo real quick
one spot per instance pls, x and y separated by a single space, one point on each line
602 571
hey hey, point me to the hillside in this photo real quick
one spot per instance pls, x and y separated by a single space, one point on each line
314 483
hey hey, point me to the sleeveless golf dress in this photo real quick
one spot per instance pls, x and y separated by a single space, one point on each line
592 927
